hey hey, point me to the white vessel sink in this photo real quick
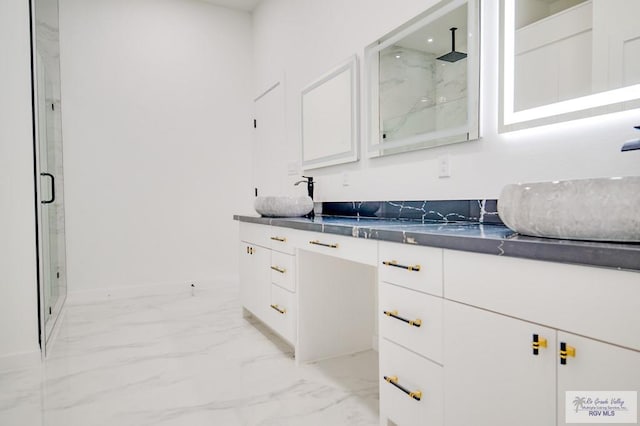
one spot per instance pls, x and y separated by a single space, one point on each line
283 206
599 209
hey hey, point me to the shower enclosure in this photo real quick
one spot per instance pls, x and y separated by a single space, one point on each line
49 166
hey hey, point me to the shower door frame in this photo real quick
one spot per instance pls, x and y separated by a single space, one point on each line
48 318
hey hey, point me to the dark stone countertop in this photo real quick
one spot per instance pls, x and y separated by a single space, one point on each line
475 237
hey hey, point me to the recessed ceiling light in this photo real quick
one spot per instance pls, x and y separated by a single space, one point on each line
429 40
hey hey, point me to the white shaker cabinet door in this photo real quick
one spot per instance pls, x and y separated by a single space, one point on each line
255 282
492 377
595 366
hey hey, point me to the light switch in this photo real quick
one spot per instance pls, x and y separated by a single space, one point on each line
444 168
345 179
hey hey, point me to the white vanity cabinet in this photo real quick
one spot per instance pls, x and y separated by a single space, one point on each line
255 261
501 306
282 314
463 338
596 366
267 277
492 371
410 330
357 250
492 377
415 267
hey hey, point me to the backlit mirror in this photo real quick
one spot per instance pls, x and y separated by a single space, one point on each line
568 59
422 81
330 117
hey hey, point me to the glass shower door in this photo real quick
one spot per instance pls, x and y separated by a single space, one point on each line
49 140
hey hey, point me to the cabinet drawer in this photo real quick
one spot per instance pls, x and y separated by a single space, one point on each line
414 267
425 339
281 314
283 270
413 373
354 249
584 300
255 233
281 239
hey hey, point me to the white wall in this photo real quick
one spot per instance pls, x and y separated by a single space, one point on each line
157 125
18 287
305 38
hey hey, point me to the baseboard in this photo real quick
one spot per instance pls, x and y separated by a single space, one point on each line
20 361
128 291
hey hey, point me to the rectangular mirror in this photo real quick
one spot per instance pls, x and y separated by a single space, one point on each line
567 59
330 118
423 81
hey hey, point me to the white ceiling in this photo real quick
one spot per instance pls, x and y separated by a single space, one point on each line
247 5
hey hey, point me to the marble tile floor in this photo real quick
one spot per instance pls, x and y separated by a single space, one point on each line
183 358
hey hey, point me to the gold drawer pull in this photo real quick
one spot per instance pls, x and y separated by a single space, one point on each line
417 395
279 309
279 239
566 351
394 314
397 265
537 343
279 269
318 243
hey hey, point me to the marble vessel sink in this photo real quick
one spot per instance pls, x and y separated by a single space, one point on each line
599 209
283 206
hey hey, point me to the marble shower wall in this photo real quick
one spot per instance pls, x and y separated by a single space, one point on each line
407 92
420 94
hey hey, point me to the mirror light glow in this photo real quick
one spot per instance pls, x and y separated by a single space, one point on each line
510 116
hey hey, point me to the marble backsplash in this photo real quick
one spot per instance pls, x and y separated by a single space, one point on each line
481 211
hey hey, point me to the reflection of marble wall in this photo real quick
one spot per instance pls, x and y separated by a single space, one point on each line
451 90
407 92
420 94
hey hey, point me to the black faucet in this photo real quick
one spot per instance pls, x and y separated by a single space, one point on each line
309 181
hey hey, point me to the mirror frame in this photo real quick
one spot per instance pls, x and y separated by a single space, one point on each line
469 132
611 101
351 154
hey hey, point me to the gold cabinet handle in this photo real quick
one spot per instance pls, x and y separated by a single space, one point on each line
394 314
279 239
566 351
318 243
279 309
279 269
249 250
537 343
417 395
395 263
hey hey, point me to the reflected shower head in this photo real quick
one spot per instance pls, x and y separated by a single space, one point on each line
453 56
